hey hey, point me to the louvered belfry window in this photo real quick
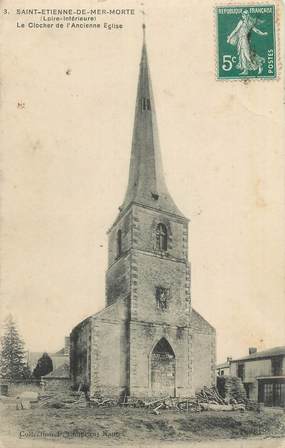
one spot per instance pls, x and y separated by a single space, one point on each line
146 104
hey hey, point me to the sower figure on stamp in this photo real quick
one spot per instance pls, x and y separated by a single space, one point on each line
240 36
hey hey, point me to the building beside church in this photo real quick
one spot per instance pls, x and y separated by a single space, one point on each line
223 369
58 358
148 340
262 374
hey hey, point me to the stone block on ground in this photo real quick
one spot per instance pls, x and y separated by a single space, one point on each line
29 395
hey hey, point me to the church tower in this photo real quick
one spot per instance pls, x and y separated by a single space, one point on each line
147 341
148 250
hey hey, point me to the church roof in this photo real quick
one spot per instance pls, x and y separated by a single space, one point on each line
146 184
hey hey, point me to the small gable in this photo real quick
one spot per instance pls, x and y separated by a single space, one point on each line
61 372
199 324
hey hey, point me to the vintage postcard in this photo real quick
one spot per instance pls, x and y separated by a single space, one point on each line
142 223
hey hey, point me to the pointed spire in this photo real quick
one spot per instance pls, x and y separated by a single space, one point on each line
146 180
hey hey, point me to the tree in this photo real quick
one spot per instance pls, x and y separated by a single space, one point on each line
12 355
43 367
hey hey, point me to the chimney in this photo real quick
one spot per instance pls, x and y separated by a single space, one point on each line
229 359
252 350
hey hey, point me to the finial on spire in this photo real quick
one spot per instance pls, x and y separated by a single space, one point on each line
143 24
143 27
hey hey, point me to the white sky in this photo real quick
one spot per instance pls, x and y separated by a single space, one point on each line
65 165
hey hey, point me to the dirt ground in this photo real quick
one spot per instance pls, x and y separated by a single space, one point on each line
119 426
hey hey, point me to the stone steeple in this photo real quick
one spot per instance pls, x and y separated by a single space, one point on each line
147 342
146 184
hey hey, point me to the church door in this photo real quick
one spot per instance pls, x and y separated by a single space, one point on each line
163 369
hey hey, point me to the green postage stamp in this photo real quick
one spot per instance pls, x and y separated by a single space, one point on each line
246 42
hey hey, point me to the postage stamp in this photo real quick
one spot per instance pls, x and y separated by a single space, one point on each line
246 46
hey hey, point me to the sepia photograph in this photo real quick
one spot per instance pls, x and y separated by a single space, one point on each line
142 224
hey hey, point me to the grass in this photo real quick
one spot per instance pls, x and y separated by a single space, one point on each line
118 424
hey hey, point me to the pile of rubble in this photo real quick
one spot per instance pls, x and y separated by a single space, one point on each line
231 387
207 399
59 400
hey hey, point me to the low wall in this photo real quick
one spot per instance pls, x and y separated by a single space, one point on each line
57 384
17 387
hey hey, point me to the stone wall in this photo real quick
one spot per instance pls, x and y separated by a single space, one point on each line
125 225
118 280
110 358
204 352
152 272
120 359
17 387
118 273
110 351
57 384
80 353
123 335
144 336
145 222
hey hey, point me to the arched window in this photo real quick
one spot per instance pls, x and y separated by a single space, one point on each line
163 348
161 237
119 243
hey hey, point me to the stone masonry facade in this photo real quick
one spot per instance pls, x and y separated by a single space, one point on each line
148 341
